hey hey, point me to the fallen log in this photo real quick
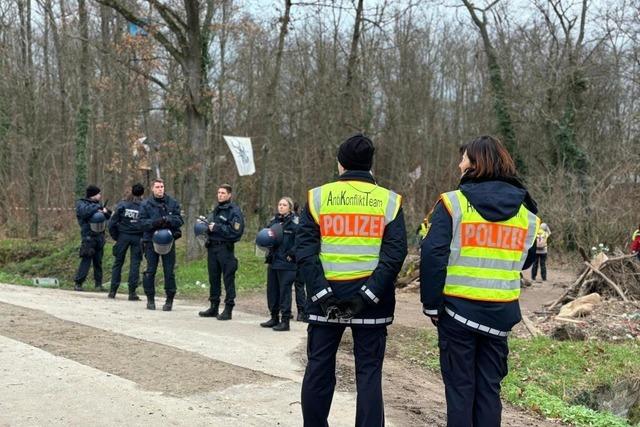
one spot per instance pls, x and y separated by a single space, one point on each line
535 332
575 284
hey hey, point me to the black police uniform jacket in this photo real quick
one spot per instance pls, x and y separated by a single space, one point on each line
495 200
153 209
282 257
229 223
125 219
381 282
85 208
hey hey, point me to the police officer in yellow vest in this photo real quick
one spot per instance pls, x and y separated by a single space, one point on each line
481 237
350 246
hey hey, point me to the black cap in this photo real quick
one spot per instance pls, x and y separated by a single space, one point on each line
137 189
356 153
92 190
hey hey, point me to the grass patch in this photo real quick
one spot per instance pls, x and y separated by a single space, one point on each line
21 260
549 377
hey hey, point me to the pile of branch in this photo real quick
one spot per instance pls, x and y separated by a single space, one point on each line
616 278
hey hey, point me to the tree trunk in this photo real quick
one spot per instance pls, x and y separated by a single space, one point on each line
273 136
82 117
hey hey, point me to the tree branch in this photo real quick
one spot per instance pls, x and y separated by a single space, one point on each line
131 17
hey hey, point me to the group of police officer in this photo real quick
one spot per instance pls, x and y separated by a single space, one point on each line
150 227
349 246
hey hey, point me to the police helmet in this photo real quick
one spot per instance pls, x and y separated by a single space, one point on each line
162 241
200 230
270 237
98 222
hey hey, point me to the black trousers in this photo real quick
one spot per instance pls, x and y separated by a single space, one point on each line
279 283
221 262
301 295
542 260
473 365
126 242
168 265
85 264
320 376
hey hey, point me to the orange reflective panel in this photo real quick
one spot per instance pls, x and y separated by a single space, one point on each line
492 235
352 225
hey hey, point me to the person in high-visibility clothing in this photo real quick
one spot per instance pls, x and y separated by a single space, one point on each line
350 246
482 236
635 242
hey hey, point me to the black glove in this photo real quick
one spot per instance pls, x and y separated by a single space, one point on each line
353 306
330 307
160 223
268 259
176 233
108 213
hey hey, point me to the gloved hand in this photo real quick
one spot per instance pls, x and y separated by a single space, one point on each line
107 213
330 307
160 223
352 306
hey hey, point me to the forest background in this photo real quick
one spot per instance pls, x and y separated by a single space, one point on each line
557 80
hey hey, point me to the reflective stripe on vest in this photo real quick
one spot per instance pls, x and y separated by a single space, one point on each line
635 234
486 257
352 216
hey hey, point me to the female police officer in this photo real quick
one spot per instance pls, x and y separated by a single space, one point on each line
481 236
282 267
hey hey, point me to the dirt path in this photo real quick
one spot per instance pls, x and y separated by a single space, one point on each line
177 369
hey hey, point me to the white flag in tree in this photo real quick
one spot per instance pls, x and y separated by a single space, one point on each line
242 153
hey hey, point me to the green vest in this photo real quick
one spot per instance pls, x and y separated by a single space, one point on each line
486 257
352 216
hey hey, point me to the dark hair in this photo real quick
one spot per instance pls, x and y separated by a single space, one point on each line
226 187
489 158
157 180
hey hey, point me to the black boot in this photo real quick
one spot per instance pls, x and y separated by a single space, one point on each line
113 291
168 304
151 303
211 311
300 317
78 287
275 319
282 326
226 313
132 295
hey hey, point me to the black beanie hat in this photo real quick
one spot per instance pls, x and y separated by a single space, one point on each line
92 190
137 190
356 153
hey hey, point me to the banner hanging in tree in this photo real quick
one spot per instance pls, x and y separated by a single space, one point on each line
242 153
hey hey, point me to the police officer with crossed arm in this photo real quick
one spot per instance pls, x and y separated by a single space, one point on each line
123 228
160 217
350 246
226 225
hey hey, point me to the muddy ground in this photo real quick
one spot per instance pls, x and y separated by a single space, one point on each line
178 369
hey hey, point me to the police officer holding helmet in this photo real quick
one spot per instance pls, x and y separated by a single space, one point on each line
350 246
160 220
226 225
92 218
282 267
123 228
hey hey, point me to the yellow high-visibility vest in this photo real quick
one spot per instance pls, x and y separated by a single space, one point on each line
352 216
486 257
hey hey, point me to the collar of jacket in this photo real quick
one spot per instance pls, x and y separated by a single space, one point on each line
528 201
89 200
224 205
357 176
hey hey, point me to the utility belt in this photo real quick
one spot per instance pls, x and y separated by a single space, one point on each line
218 243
